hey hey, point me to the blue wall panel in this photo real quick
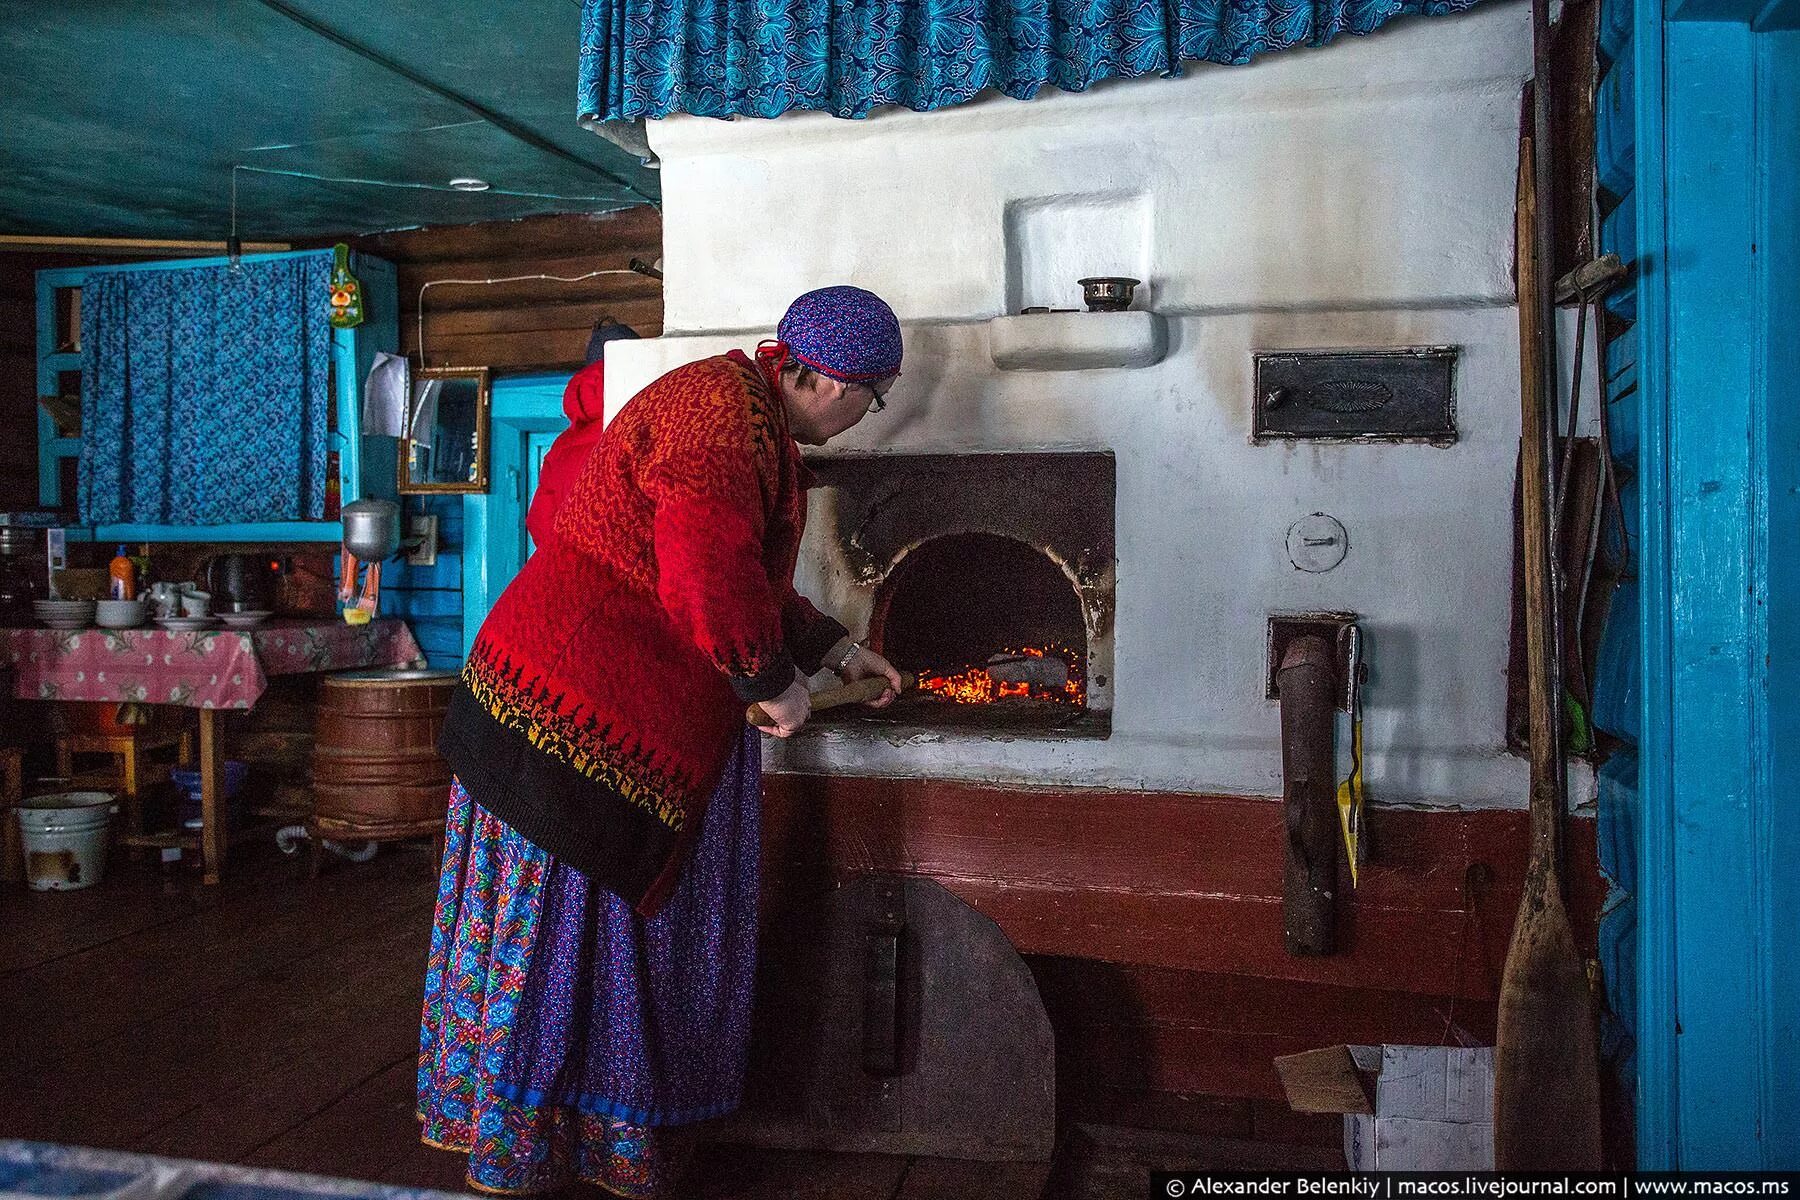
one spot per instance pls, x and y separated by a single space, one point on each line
1710 369
1778 238
430 598
1615 162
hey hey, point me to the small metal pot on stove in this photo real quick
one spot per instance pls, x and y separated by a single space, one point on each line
1108 293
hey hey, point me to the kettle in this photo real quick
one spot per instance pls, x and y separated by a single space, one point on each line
242 582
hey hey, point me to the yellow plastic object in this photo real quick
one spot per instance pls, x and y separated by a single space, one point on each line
357 616
1350 797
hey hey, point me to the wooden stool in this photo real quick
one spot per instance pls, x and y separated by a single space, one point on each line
129 751
12 790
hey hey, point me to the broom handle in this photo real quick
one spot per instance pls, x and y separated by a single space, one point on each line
860 692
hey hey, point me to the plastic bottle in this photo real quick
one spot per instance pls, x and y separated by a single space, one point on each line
124 576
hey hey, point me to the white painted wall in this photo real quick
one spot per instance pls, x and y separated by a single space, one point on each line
1359 195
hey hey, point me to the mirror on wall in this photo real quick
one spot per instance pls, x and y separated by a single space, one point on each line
447 446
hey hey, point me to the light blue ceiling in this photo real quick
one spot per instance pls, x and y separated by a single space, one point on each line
125 119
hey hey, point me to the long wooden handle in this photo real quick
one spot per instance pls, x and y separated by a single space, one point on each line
860 692
1546 1055
1535 494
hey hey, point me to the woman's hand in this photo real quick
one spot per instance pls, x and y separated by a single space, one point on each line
866 665
789 710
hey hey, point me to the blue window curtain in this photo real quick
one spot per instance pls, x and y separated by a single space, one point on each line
760 58
206 393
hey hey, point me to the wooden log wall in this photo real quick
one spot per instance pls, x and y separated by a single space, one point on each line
1153 923
529 325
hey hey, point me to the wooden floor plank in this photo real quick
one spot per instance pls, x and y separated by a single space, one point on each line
75 999
133 898
275 1021
954 1179
220 1078
369 1133
295 1055
732 1172
1101 1162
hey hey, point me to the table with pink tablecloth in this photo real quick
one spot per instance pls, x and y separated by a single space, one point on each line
212 670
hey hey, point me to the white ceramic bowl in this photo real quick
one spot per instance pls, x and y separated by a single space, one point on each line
119 614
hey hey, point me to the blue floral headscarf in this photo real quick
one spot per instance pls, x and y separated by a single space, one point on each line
843 332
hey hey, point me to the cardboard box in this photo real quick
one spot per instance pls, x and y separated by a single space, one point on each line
1406 1108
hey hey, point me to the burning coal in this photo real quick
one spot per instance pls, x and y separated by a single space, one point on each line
1044 673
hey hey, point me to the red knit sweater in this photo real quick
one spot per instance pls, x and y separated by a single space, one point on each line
606 687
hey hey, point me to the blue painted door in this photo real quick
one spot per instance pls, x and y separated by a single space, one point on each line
527 416
1699 142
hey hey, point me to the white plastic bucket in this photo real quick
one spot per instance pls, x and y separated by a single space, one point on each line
64 837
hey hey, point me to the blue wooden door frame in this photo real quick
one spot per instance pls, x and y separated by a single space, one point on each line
494 542
1717 113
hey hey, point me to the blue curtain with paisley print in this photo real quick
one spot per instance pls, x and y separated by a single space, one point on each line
206 393
760 58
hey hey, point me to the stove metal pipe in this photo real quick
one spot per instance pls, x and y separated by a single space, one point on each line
1307 684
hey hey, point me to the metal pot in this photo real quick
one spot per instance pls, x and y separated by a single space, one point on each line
1108 293
371 529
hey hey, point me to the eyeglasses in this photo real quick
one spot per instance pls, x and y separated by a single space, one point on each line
878 400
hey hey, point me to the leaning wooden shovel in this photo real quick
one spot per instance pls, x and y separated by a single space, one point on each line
1546 1060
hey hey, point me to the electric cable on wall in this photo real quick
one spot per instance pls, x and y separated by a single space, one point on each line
638 268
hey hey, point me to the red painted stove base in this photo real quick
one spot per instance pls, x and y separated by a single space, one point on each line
1153 924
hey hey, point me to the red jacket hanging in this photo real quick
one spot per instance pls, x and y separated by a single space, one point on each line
584 403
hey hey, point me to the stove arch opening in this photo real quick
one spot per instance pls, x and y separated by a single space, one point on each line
993 626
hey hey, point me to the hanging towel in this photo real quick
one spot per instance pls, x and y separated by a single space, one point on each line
424 410
386 396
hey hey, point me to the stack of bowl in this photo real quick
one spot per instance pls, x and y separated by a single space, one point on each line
64 614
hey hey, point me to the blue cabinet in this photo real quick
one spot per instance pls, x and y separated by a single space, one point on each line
352 350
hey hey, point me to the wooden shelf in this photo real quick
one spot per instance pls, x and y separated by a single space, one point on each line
256 531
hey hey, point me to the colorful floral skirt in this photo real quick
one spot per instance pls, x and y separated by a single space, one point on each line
565 1036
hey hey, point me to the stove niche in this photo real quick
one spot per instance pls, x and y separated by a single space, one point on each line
988 575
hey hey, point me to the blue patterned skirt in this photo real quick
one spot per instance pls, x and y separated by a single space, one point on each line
563 1033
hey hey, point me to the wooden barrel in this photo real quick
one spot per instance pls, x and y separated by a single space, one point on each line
376 771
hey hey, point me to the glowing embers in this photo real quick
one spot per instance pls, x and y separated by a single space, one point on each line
1049 674
995 631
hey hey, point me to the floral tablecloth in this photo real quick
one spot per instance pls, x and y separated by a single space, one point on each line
214 668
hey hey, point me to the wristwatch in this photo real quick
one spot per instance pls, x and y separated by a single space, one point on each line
850 654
